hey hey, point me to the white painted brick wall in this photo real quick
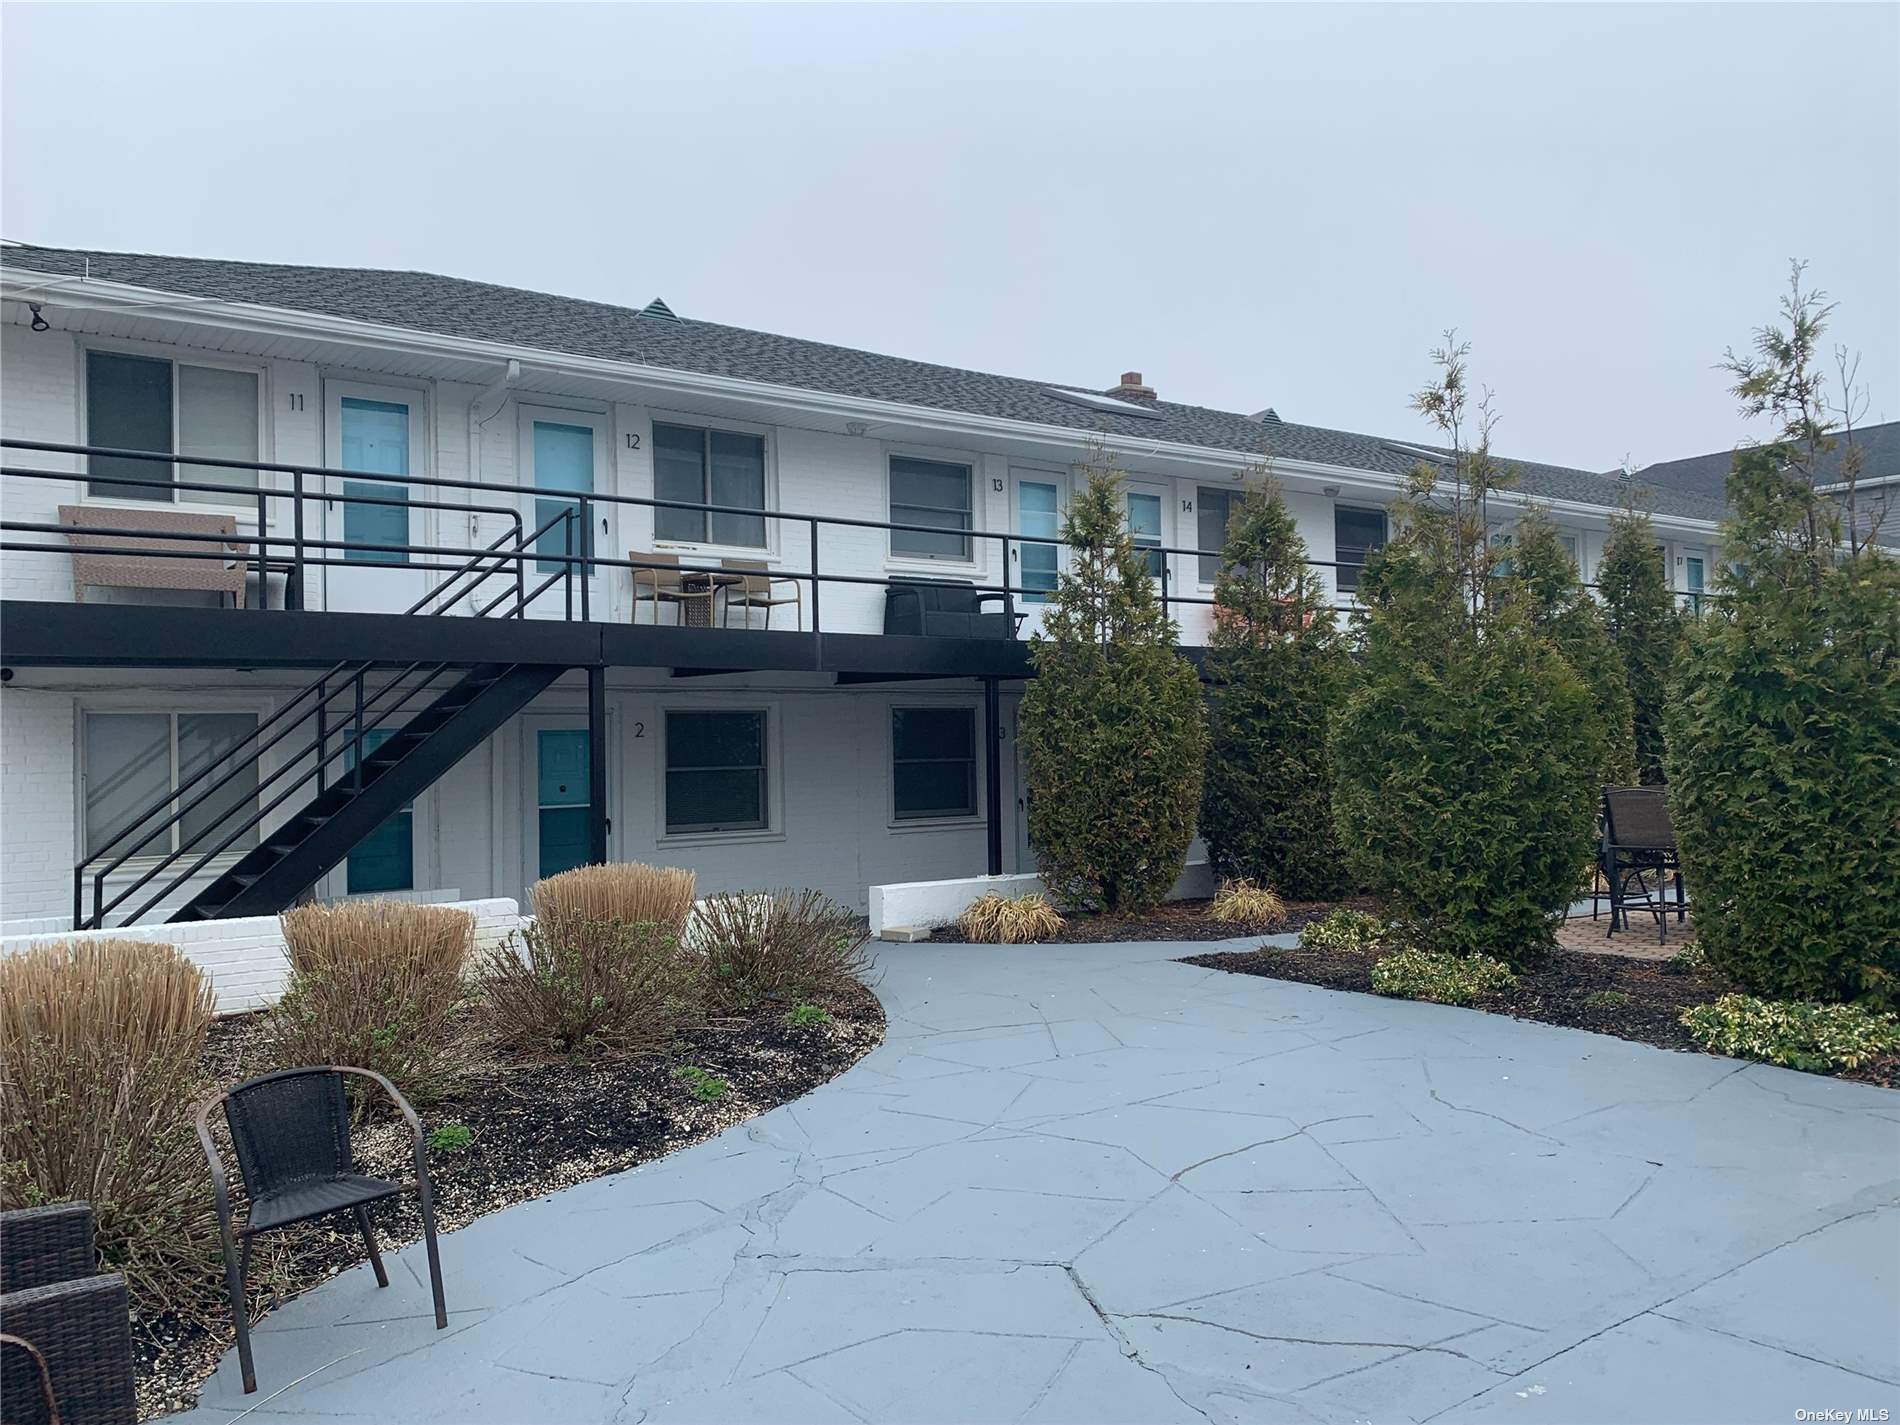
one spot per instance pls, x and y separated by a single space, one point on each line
246 960
37 795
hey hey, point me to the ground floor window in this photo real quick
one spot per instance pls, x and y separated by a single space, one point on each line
715 771
933 762
134 761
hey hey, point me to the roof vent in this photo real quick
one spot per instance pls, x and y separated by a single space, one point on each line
1268 417
659 311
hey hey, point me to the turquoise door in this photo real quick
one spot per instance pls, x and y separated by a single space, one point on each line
563 461
375 438
561 805
1039 516
385 860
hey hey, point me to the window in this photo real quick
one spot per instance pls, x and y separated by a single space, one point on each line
933 762
1573 546
709 467
1692 577
1213 509
145 403
715 771
1144 529
1356 533
934 493
135 760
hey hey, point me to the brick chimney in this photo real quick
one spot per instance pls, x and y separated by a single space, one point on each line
1131 389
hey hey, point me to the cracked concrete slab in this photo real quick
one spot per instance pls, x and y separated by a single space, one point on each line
1090 1184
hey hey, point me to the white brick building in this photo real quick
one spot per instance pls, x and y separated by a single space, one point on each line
850 753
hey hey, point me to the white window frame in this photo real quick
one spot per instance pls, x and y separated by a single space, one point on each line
774 828
242 504
770 549
134 705
898 703
978 562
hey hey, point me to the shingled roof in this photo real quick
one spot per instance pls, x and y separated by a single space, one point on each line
1705 474
451 306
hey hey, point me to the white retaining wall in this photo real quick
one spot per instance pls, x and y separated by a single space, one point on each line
929 904
246 960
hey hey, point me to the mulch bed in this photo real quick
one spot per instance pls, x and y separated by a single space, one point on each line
1175 920
536 1127
1635 999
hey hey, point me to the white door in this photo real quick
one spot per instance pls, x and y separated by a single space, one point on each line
555 803
1038 500
379 431
564 454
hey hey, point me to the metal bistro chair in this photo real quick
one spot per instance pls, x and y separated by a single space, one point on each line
758 588
1638 842
669 585
291 1132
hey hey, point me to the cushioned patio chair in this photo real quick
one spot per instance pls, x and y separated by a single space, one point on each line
945 608
1638 845
291 1133
65 1328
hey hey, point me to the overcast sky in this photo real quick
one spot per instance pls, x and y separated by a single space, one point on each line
1275 205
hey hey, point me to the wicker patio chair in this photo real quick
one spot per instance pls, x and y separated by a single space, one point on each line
65 1328
291 1133
1639 844
758 588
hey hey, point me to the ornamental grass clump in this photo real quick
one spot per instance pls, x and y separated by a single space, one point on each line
377 984
1440 977
571 987
1241 902
99 1048
1813 1037
1008 920
627 892
1343 929
792 946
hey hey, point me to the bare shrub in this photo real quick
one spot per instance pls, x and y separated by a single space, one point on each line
574 986
789 945
1008 920
1242 902
626 892
377 985
99 1046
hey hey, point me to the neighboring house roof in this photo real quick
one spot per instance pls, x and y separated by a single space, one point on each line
450 306
1706 475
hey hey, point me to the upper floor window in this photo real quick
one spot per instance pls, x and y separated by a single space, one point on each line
709 467
935 493
1356 533
149 403
1213 508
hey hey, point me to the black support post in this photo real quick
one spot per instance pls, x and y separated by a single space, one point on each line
597 763
993 771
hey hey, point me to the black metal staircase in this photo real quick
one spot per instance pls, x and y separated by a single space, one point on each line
356 745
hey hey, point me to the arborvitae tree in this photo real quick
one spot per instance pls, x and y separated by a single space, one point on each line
1113 731
1783 723
1644 626
1542 573
1466 762
1276 671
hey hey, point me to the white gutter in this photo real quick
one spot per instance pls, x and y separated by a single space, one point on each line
100 295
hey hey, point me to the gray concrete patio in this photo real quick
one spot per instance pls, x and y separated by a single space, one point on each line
1087 1184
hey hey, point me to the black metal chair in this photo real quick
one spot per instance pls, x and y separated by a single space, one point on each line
291 1133
947 608
1638 843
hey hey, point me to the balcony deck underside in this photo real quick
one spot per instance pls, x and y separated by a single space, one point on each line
59 635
